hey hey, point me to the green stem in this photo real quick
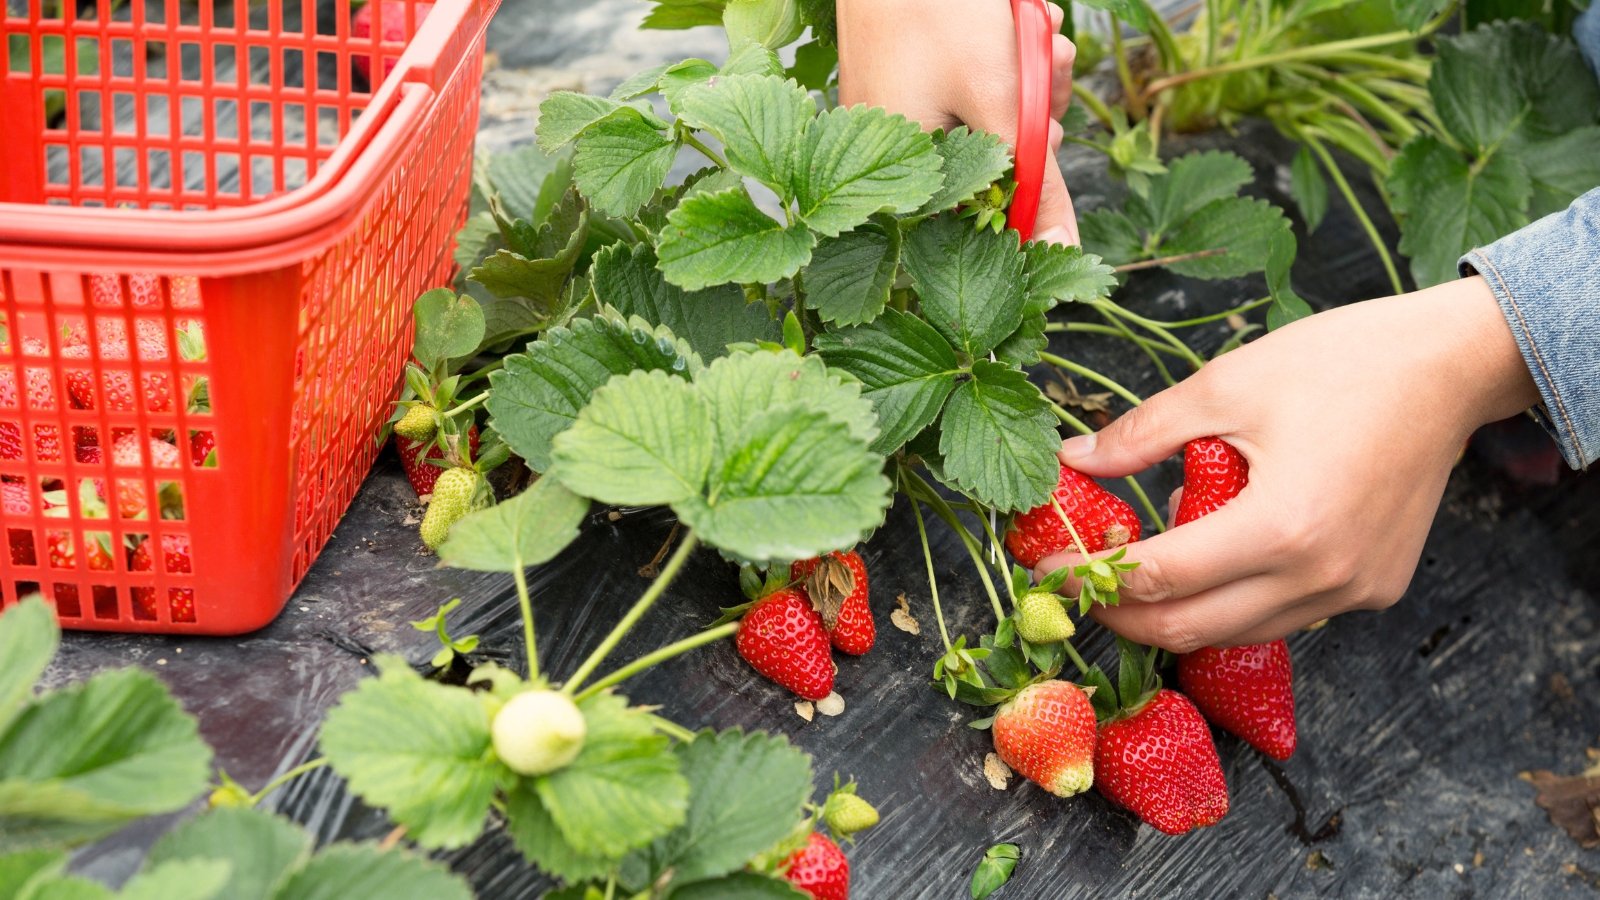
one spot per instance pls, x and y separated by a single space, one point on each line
1136 100
466 405
994 542
1062 362
1082 427
1357 95
525 603
1090 99
1154 327
287 777
1092 328
1072 654
483 372
943 511
1239 310
671 729
1410 68
1161 367
1332 169
1298 54
714 156
933 582
1213 22
1071 529
648 599
676 648
1161 36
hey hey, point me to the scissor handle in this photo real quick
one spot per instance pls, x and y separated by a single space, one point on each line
1033 112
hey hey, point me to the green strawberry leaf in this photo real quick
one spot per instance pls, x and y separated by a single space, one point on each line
1025 344
449 325
133 752
741 886
823 19
858 161
850 276
792 483
644 439
639 84
364 872
972 283
620 162
676 14
527 181
1111 236
529 529
1510 81
1413 14
564 116
766 23
678 78
744 385
1562 168
971 162
1243 227
624 789
19 871
1062 274
998 439
1286 304
746 791
1103 696
905 367
419 750
538 838
1308 188
709 320
1451 205
28 639
538 261
712 239
751 59
994 870
275 847
1132 12
1190 183
758 118
814 65
190 879
540 391
708 180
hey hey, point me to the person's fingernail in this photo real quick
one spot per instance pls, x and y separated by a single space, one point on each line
1056 235
1078 447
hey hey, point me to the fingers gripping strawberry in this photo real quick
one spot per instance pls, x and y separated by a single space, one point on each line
1046 733
1160 763
783 638
837 586
1249 690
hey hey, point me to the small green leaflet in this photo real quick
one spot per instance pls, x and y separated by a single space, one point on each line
1242 226
1562 169
1133 12
972 161
766 23
134 752
1286 304
449 325
565 115
746 791
1450 207
1511 80
675 14
814 65
28 639
994 870
540 840
972 283
364 872
529 529
262 847
535 263
418 749
540 391
850 276
743 386
625 788
1309 188
1025 344
708 180
1111 235
628 280
758 118
620 162
905 368
642 440
713 239
998 439
1189 184
1063 274
858 161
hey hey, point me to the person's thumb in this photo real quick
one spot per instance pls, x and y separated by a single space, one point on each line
1140 438
1056 223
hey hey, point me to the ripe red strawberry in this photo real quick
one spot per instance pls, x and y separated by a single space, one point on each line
394 31
41 396
1213 474
1161 764
1103 520
152 349
176 559
839 591
1248 691
14 498
63 555
819 869
201 443
782 637
128 451
1046 733
422 474
86 446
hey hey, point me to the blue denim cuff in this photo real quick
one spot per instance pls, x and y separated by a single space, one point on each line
1546 278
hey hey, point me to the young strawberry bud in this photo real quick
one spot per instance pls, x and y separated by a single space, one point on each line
418 424
846 814
538 732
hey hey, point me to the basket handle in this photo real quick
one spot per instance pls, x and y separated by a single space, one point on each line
1033 112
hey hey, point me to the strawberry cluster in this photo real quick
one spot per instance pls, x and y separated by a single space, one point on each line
786 632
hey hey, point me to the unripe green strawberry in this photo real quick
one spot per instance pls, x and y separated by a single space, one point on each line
1104 582
1041 619
847 814
418 424
453 497
538 732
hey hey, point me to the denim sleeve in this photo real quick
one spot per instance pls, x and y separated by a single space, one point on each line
1547 279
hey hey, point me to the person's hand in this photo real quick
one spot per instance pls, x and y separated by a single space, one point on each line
1351 421
943 63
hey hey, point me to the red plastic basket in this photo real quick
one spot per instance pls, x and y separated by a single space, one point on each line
211 233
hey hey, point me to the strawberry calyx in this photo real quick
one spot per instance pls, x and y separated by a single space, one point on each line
1100 580
756 585
845 812
988 208
1138 683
